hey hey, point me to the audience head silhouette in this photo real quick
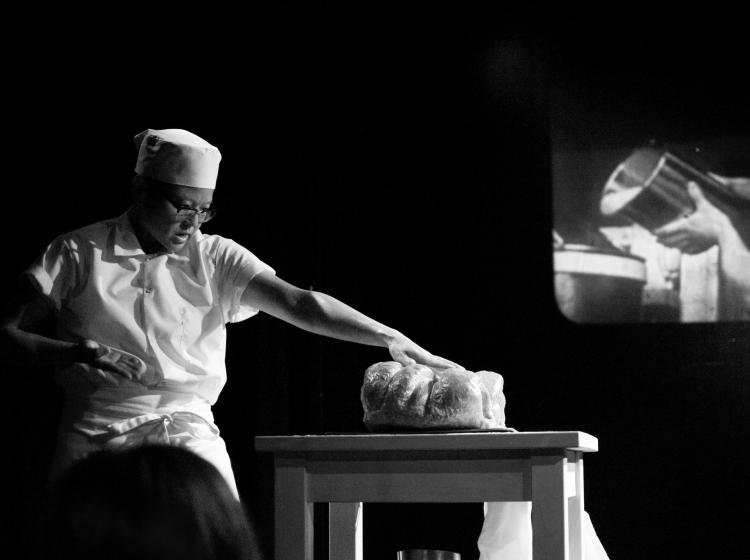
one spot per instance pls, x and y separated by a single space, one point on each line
149 502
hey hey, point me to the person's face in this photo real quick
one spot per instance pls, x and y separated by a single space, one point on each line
159 218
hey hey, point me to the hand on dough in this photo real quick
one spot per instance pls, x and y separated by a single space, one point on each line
406 352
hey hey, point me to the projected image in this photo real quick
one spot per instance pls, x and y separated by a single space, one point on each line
656 234
650 176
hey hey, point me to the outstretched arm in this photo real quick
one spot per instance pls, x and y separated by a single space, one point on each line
322 314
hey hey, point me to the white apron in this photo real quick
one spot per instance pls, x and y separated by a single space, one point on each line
177 419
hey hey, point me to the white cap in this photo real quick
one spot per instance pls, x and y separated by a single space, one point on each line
177 156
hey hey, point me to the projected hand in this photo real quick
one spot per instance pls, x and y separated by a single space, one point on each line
697 232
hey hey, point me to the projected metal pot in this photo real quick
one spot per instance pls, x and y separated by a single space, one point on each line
650 188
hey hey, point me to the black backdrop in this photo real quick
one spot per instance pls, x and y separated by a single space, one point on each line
399 159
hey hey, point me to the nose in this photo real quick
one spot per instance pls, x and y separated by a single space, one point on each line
189 221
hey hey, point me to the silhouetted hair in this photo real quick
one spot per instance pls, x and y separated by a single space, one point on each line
149 502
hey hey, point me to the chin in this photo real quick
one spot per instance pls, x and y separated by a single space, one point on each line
176 245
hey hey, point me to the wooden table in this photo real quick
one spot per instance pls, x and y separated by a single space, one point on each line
344 470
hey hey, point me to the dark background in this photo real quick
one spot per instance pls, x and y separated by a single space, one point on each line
400 158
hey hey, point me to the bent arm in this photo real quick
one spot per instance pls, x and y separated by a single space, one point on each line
325 315
20 342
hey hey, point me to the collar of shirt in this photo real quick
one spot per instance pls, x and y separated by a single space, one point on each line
126 244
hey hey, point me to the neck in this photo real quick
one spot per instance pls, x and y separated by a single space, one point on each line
146 241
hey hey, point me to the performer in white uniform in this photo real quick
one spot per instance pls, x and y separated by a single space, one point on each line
141 303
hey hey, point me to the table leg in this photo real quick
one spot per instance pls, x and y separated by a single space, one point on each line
345 531
549 507
575 504
294 513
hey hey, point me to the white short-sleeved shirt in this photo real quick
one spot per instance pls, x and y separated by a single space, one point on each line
169 309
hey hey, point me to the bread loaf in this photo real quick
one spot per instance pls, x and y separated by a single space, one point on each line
416 397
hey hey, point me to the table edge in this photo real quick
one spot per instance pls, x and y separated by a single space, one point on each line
572 440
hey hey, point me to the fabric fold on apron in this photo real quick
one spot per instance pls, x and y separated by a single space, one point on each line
174 428
117 421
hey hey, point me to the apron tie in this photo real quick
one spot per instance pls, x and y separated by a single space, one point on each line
173 428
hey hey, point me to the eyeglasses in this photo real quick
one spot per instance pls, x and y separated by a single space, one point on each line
189 213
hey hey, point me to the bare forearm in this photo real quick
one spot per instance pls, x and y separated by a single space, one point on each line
734 262
325 315
322 314
27 349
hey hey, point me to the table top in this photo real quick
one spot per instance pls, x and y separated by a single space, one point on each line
454 441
